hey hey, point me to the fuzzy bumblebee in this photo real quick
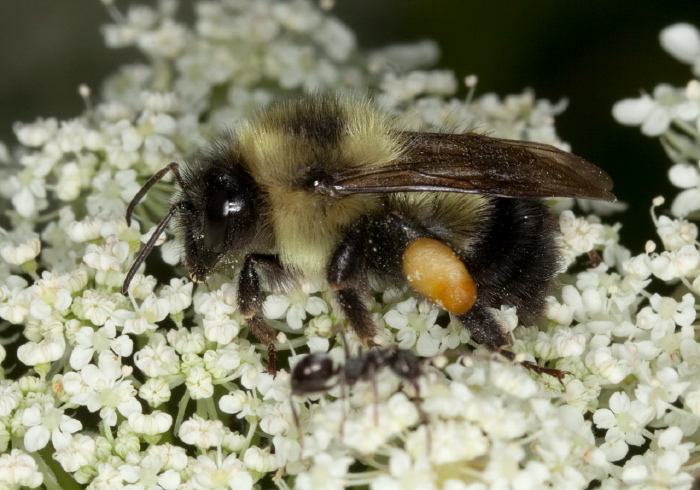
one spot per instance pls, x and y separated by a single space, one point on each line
327 187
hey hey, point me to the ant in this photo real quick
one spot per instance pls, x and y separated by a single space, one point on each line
318 373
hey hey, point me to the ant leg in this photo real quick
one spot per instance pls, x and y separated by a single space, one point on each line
486 331
421 414
250 300
297 423
343 403
533 366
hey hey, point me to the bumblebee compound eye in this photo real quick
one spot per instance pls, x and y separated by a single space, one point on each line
435 271
221 209
314 374
223 219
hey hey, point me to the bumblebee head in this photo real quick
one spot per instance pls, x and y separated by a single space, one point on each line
217 215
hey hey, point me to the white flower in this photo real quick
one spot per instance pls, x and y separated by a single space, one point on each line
103 388
50 293
579 234
675 264
404 474
294 307
28 188
155 391
239 402
655 114
336 39
178 294
201 433
326 472
157 358
18 469
45 421
90 342
10 396
685 177
47 350
85 230
213 472
259 460
609 366
682 41
96 307
174 457
199 383
624 417
150 424
108 478
109 256
416 328
449 442
676 233
220 328
661 390
662 467
20 246
146 317
188 341
35 134
150 473
74 452
166 42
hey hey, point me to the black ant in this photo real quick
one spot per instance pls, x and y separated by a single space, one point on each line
318 373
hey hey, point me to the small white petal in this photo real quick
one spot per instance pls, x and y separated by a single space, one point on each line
681 41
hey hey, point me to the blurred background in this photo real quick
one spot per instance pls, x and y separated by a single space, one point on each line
591 52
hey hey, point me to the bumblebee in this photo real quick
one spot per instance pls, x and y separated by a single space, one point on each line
328 187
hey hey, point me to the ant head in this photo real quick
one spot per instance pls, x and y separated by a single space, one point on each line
314 374
405 364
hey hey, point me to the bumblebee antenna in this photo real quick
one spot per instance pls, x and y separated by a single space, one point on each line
171 167
149 246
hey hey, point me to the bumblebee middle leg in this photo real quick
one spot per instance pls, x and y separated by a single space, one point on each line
347 275
372 245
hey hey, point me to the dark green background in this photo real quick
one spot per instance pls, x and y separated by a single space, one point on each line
594 53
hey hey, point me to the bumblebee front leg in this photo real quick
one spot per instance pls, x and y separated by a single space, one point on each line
250 300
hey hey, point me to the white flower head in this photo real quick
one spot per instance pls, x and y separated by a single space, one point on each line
149 313
44 421
103 387
211 472
682 41
75 452
19 469
150 424
201 432
19 246
90 342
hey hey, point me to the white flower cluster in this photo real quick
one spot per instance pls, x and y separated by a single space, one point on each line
163 389
673 114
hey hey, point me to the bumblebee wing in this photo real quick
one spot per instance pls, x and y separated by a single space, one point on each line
474 163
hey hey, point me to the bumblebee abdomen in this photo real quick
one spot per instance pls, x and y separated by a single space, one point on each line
517 256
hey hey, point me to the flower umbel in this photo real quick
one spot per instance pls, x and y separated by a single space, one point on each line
164 387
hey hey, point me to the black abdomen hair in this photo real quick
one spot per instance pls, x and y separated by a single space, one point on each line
517 257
